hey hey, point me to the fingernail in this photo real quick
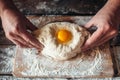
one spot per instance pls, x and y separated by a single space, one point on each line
39 50
40 46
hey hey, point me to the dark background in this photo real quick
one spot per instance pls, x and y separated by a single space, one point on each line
60 7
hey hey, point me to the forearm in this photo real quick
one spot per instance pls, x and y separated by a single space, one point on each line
6 4
112 7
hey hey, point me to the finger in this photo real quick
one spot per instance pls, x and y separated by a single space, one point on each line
88 25
30 25
32 40
94 38
106 38
19 39
18 43
91 27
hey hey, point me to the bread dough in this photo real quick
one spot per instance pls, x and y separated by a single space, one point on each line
47 35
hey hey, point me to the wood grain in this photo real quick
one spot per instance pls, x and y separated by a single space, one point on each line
116 52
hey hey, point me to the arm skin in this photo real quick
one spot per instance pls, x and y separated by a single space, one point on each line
107 21
16 25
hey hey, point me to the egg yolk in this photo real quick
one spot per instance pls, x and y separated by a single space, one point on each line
64 36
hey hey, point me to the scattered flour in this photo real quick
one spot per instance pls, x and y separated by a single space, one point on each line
83 65
6 59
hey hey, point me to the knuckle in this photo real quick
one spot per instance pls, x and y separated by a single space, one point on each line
114 31
9 35
107 27
16 29
101 29
89 43
28 40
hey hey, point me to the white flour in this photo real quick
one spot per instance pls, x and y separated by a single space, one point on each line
86 65
6 58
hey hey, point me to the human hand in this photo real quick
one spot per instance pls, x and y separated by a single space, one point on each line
106 24
15 26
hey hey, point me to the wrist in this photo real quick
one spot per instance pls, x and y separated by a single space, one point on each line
6 5
111 9
2 5
115 8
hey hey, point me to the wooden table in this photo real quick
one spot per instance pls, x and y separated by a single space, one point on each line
8 49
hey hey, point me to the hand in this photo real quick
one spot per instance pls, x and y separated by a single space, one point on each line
106 23
15 26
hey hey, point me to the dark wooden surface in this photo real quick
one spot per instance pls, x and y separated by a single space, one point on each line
51 7
60 7
8 50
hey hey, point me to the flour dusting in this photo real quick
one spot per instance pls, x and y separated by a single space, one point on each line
6 58
82 65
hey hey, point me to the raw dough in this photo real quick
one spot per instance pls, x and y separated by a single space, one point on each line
61 51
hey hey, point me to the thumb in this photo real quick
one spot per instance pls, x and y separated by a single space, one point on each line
91 27
88 25
91 41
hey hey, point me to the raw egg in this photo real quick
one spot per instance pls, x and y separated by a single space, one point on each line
64 36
